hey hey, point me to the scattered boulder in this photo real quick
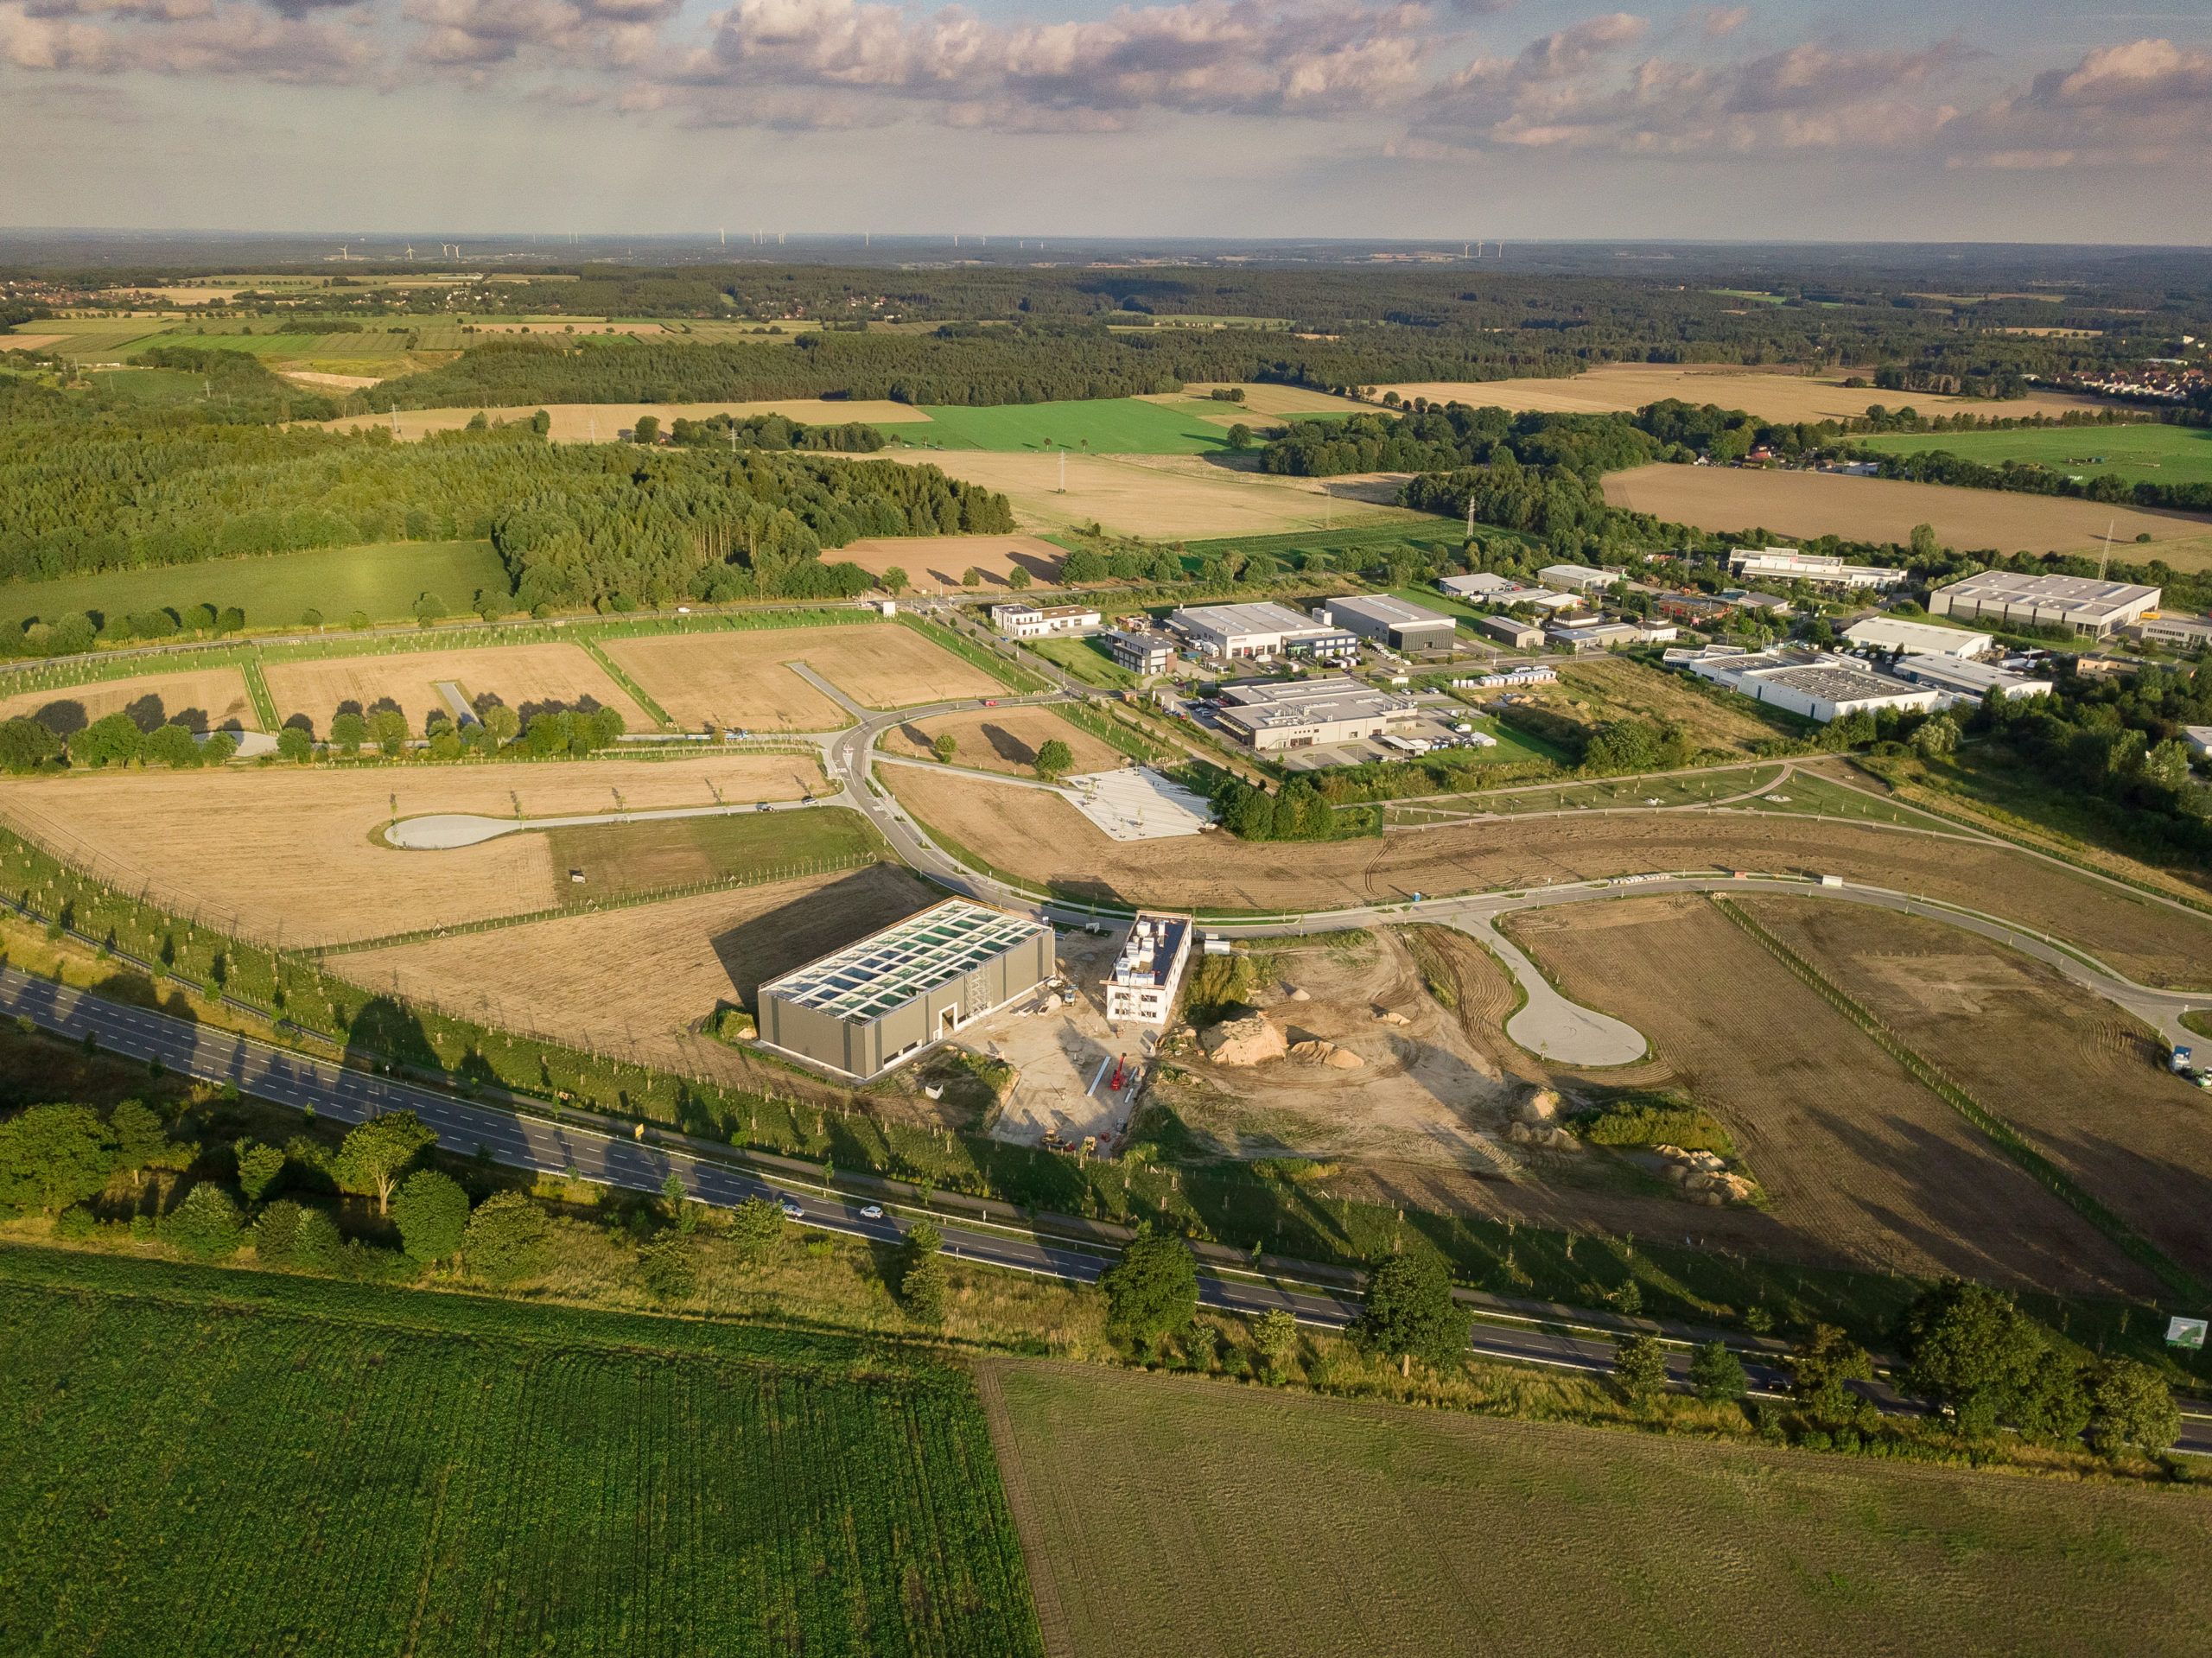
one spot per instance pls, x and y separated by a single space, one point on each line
1315 1051
1551 1137
1342 1060
1299 994
1247 1041
1705 1177
1387 1017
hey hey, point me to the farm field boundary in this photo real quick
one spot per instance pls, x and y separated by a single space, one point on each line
1999 1130
975 656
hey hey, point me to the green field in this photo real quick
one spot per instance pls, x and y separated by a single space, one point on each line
226 1463
1101 426
1165 1515
622 859
383 579
2143 454
1086 660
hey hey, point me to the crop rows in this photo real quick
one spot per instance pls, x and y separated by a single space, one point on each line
202 1476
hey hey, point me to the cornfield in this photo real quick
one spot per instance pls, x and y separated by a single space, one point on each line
219 1463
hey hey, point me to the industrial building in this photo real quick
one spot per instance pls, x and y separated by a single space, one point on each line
875 1004
1917 638
1970 680
1141 990
2183 633
2081 604
1026 621
1594 634
1486 589
1141 653
1520 635
1807 683
1400 625
1270 714
1250 632
1578 578
1823 569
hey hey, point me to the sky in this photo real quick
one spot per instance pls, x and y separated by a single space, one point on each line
1879 120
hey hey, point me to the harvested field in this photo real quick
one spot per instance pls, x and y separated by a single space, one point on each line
2085 1082
1166 1513
1003 740
207 699
1862 1165
584 422
528 678
32 341
1050 841
635 981
1266 397
286 853
741 678
935 563
1167 496
1770 394
1807 504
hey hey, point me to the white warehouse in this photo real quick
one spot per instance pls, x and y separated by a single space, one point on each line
1917 638
1818 687
1249 632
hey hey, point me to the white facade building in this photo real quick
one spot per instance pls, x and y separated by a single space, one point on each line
1917 638
2081 604
1818 687
1578 578
1825 570
1141 990
1024 621
1249 632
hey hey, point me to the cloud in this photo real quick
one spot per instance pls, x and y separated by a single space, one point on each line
1717 23
184 39
2144 103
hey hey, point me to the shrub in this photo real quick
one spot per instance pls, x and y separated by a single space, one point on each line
431 1212
669 1268
506 1239
1656 1120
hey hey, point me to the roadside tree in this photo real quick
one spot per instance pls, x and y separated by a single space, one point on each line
1409 1313
431 1212
1152 1290
377 1153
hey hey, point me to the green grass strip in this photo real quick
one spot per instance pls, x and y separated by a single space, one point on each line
1998 1130
257 687
968 651
636 692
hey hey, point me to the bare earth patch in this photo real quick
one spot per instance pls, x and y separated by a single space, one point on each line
526 677
934 563
1886 509
1861 1162
287 854
207 699
1772 394
1003 740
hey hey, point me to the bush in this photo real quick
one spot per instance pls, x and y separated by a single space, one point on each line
669 1268
76 1223
922 1277
207 1225
288 1234
431 1212
507 1239
1656 1120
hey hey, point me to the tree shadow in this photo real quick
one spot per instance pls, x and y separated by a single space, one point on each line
771 944
585 704
64 717
388 1032
1009 747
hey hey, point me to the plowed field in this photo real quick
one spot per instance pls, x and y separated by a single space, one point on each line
742 677
1003 740
526 677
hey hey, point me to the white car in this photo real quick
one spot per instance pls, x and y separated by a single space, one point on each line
873 1212
792 1211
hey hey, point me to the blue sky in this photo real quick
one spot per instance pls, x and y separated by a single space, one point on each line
1883 120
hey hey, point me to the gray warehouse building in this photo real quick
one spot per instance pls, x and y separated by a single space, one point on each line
874 1004
1400 625
2081 604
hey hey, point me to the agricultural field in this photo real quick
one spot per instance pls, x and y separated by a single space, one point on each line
1772 394
935 563
1085 660
1861 1163
383 581
2147 452
645 855
589 423
1003 740
740 677
1163 497
2087 1084
1054 844
288 853
205 699
1269 400
1098 426
528 678
636 981
1372 1531
349 1469
1808 504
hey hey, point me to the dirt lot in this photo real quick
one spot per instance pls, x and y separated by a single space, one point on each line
2088 1085
1600 689
1171 1514
526 677
1167 496
935 563
635 981
1886 509
209 699
584 422
287 852
1771 395
1049 840
1861 1163
738 677
1004 739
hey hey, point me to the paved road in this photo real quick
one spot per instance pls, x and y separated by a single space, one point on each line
552 1148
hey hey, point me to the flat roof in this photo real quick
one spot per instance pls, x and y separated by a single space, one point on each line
907 959
1838 685
1265 617
1955 671
1391 611
1149 953
2068 593
1267 705
1578 572
1873 630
